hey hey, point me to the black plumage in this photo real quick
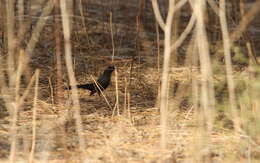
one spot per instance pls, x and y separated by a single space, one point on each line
102 82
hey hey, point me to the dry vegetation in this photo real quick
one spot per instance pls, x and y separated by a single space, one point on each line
186 86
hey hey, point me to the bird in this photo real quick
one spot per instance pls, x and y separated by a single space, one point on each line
102 82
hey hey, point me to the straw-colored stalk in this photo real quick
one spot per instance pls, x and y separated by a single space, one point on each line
229 71
112 35
34 124
165 73
69 65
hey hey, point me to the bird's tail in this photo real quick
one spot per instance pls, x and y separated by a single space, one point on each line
86 86
83 86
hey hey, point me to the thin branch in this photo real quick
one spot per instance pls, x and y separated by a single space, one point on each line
207 92
214 6
13 132
100 90
165 73
34 117
158 15
10 40
68 58
207 97
246 19
112 35
229 71
38 28
57 35
20 6
185 33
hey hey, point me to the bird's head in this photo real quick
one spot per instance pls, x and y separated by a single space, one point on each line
110 68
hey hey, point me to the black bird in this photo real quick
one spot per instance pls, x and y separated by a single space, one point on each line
102 82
